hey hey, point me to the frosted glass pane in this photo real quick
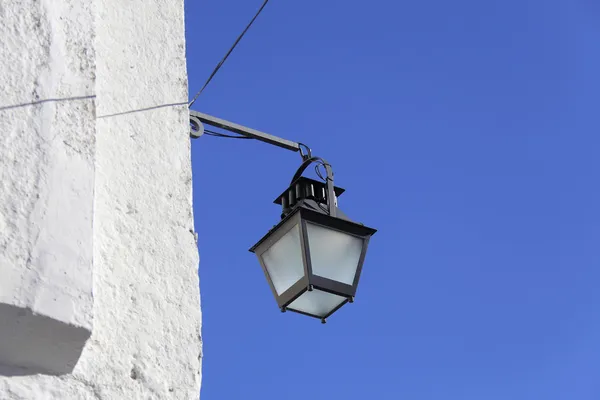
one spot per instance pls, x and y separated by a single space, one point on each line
317 303
333 254
283 260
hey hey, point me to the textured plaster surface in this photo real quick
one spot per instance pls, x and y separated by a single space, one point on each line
145 342
47 150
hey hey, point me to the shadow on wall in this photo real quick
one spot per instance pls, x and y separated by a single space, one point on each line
35 344
14 371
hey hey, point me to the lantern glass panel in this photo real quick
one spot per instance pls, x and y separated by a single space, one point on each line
317 303
334 255
283 260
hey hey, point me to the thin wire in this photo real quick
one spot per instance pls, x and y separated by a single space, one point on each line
228 53
320 175
318 170
222 135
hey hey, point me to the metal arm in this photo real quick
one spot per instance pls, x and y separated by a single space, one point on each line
196 116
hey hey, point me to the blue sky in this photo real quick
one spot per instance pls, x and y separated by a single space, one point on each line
467 133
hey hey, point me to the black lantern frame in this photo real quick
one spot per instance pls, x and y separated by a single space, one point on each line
303 203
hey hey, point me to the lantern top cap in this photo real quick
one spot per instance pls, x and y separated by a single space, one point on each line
307 185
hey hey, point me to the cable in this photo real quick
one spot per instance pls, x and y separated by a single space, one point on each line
309 161
222 135
318 171
228 53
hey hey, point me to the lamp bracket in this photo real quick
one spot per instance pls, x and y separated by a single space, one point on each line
196 129
197 119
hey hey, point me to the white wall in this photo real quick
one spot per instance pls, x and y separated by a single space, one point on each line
46 182
95 202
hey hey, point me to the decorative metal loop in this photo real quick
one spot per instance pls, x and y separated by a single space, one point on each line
196 127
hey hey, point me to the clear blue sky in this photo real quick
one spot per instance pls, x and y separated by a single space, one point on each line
468 134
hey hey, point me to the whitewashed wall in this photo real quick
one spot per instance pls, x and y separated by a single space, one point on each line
47 144
99 293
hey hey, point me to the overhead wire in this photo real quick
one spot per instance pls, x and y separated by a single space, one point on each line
220 64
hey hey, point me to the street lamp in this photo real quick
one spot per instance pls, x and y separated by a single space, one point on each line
313 257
